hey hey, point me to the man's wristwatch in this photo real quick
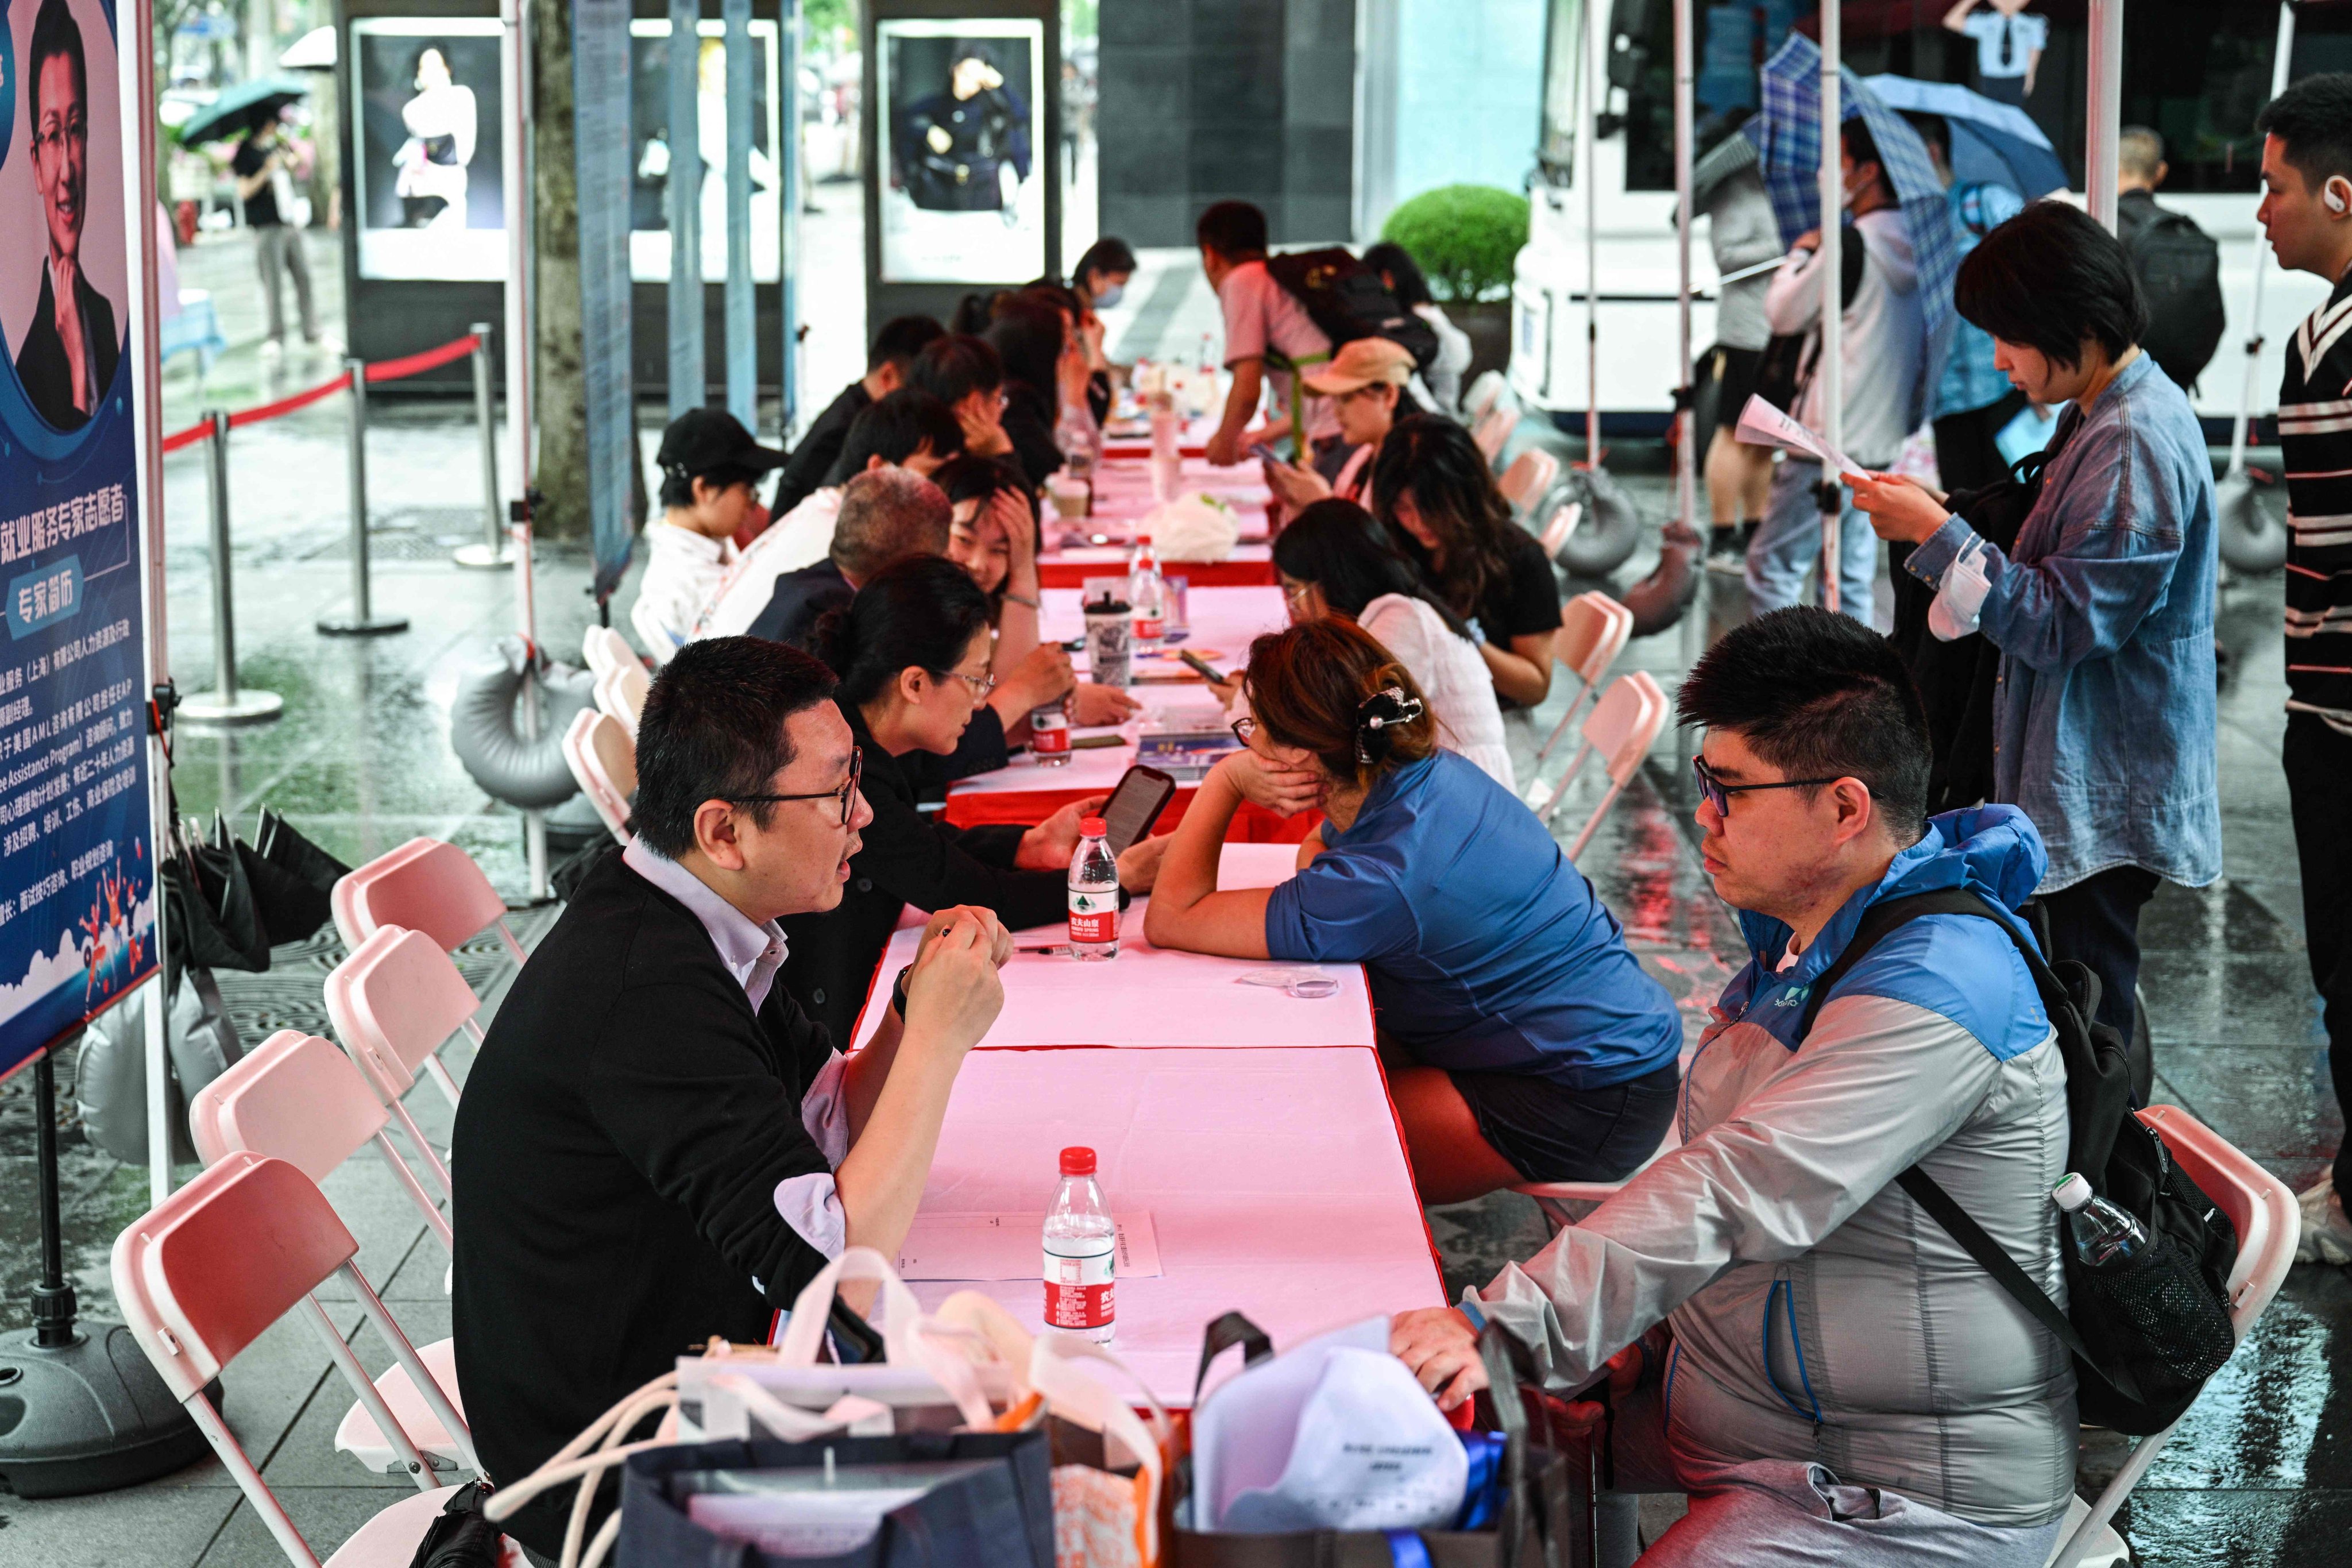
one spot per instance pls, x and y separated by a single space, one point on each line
898 993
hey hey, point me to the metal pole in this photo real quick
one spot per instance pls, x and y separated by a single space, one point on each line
688 380
2106 108
742 325
53 1295
1596 39
492 553
1829 266
1686 449
788 189
225 703
363 621
514 63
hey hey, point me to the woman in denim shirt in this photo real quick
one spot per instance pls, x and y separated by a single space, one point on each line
2103 723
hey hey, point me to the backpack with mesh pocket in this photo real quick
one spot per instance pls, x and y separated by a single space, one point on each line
2144 1338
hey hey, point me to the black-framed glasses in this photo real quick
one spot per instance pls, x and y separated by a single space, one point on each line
846 794
1243 728
1717 793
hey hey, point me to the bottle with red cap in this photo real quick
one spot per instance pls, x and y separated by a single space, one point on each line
1081 1252
1149 594
1093 893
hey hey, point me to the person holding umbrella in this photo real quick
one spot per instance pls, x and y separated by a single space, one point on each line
265 184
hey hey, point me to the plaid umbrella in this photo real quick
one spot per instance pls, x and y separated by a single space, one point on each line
1788 140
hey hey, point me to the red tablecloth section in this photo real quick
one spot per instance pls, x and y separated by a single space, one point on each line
1053 574
1251 825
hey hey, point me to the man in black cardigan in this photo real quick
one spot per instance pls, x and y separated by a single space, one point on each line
656 1146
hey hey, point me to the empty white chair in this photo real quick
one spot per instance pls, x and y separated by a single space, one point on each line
1594 630
297 1099
606 650
1494 430
1557 532
1624 724
1529 480
201 1276
621 693
394 1001
1483 394
424 885
603 758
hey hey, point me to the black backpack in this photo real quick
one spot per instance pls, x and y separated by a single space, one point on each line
2145 1338
1347 300
2179 269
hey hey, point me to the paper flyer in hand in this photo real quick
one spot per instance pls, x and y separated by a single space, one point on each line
1762 424
975 1245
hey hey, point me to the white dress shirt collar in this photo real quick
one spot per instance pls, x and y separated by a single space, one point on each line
752 951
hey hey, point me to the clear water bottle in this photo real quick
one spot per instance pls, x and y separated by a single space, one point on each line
1148 594
1079 439
1093 893
2105 1237
1049 735
1081 1252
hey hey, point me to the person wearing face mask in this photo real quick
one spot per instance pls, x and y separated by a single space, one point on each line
711 470
1365 385
2104 721
1100 279
1885 349
912 653
1523 1041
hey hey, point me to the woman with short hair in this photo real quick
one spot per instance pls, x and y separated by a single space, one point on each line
1529 1044
2103 723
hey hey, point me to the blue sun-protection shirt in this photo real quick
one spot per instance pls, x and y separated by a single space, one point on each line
1487 949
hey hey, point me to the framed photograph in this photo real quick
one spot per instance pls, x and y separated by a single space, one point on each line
428 147
962 177
650 151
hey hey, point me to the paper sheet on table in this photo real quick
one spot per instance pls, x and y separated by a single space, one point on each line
952 1245
1762 424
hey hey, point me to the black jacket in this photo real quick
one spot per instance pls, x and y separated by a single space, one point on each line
909 858
1029 426
41 365
811 464
616 1157
799 601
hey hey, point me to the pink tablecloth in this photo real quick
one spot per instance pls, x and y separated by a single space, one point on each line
1277 1181
1150 996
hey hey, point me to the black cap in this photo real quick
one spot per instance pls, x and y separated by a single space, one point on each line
706 440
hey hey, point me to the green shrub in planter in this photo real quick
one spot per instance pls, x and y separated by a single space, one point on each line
1465 236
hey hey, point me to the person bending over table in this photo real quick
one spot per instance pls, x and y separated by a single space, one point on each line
912 653
1539 1050
992 534
1434 492
657 1144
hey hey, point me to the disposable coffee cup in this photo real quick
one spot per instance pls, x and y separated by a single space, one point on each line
1069 496
1110 641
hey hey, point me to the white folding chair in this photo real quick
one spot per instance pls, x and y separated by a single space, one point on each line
424 885
1494 430
1557 532
2263 1209
297 1099
606 650
394 1001
621 694
1529 480
1594 630
202 1274
1624 724
604 758
1483 394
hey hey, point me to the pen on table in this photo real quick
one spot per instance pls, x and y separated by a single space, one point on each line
1058 950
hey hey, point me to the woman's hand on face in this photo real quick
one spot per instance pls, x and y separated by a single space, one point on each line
1011 513
1098 705
1138 868
1900 509
1286 792
1049 846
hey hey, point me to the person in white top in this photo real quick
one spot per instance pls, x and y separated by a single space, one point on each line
711 471
1331 562
1266 330
1884 359
908 430
1364 384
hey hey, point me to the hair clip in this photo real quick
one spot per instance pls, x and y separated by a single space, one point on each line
1382 709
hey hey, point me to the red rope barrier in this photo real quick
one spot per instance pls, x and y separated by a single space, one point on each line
387 370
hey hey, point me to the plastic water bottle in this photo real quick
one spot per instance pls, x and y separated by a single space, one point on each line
1049 735
1079 439
1093 893
2105 1237
1148 594
1081 1252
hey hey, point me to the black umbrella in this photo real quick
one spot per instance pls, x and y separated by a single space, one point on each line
246 107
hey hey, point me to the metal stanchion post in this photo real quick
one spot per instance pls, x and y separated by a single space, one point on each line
492 553
225 703
362 620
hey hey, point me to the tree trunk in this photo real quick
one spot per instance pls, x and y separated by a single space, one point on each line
561 391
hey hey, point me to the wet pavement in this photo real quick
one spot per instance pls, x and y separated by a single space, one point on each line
2261 1473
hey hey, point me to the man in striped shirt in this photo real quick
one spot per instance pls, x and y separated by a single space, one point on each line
2306 213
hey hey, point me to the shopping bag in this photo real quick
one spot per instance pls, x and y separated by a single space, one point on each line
992 1506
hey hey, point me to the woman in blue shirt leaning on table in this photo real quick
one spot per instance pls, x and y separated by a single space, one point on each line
1539 1050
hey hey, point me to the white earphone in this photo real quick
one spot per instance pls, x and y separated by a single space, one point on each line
2332 194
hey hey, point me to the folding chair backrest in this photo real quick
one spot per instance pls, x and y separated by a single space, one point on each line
622 694
605 761
1625 723
2259 1205
424 885
1594 630
1529 478
1494 430
606 649
394 1001
201 1275
294 1098
1483 394
1562 524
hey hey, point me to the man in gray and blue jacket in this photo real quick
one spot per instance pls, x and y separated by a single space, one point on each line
1797 1346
